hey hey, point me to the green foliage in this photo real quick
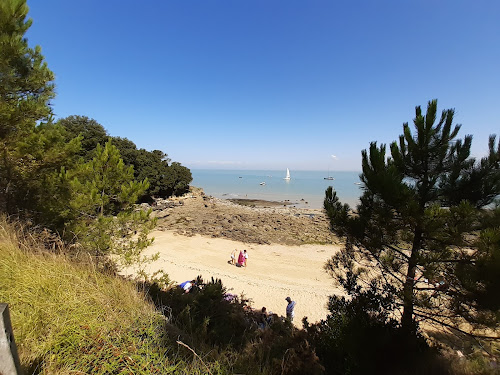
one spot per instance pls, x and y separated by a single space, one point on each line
421 227
26 89
178 179
129 153
359 336
154 166
164 180
91 132
104 185
42 176
101 215
479 275
43 153
206 314
69 318
26 86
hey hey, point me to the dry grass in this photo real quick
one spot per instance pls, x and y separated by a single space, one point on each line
69 317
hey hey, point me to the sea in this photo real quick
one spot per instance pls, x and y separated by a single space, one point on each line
305 189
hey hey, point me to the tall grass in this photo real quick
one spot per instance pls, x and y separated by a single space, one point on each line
69 317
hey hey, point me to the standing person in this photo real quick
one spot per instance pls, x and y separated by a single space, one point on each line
245 258
233 257
242 259
290 309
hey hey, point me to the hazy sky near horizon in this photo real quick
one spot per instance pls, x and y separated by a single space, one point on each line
266 84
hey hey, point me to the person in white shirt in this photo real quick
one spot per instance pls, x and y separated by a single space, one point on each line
187 285
233 257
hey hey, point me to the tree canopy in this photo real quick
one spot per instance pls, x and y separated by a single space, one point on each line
422 232
62 175
165 179
100 213
26 89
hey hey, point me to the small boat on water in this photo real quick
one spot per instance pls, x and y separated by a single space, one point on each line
287 175
357 183
329 177
262 183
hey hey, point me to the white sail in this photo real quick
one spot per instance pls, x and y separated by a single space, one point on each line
287 174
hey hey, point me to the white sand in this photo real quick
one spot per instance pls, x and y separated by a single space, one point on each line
273 272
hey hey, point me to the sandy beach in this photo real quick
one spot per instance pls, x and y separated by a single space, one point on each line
287 249
274 271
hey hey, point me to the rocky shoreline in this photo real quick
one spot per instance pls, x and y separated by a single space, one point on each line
248 221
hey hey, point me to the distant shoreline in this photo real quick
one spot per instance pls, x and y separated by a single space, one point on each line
305 189
287 205
260 202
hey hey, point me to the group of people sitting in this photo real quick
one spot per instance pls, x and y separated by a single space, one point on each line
264 319
242 258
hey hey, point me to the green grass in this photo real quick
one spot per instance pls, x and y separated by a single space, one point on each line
69 318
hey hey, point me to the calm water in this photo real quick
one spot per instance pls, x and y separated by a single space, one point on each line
304 186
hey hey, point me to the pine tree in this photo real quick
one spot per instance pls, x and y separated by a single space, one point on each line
101 214
26 89
423 232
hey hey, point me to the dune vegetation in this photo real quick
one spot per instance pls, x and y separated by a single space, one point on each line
68 316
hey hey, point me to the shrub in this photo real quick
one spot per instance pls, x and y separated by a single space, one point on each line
280 349
359 337
207 314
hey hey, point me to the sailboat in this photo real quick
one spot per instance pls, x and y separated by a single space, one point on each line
328 177
287 175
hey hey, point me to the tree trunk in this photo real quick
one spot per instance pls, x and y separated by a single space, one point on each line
407 318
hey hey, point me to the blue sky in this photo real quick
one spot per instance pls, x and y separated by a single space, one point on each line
271 84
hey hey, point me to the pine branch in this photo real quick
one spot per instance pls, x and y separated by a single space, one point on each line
399 252
475 336
385 268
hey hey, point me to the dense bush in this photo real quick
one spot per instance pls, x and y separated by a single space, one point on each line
358 337
207 314
280 349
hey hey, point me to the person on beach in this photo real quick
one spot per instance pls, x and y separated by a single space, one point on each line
264 319
187 285
290 309
242 259
233 257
